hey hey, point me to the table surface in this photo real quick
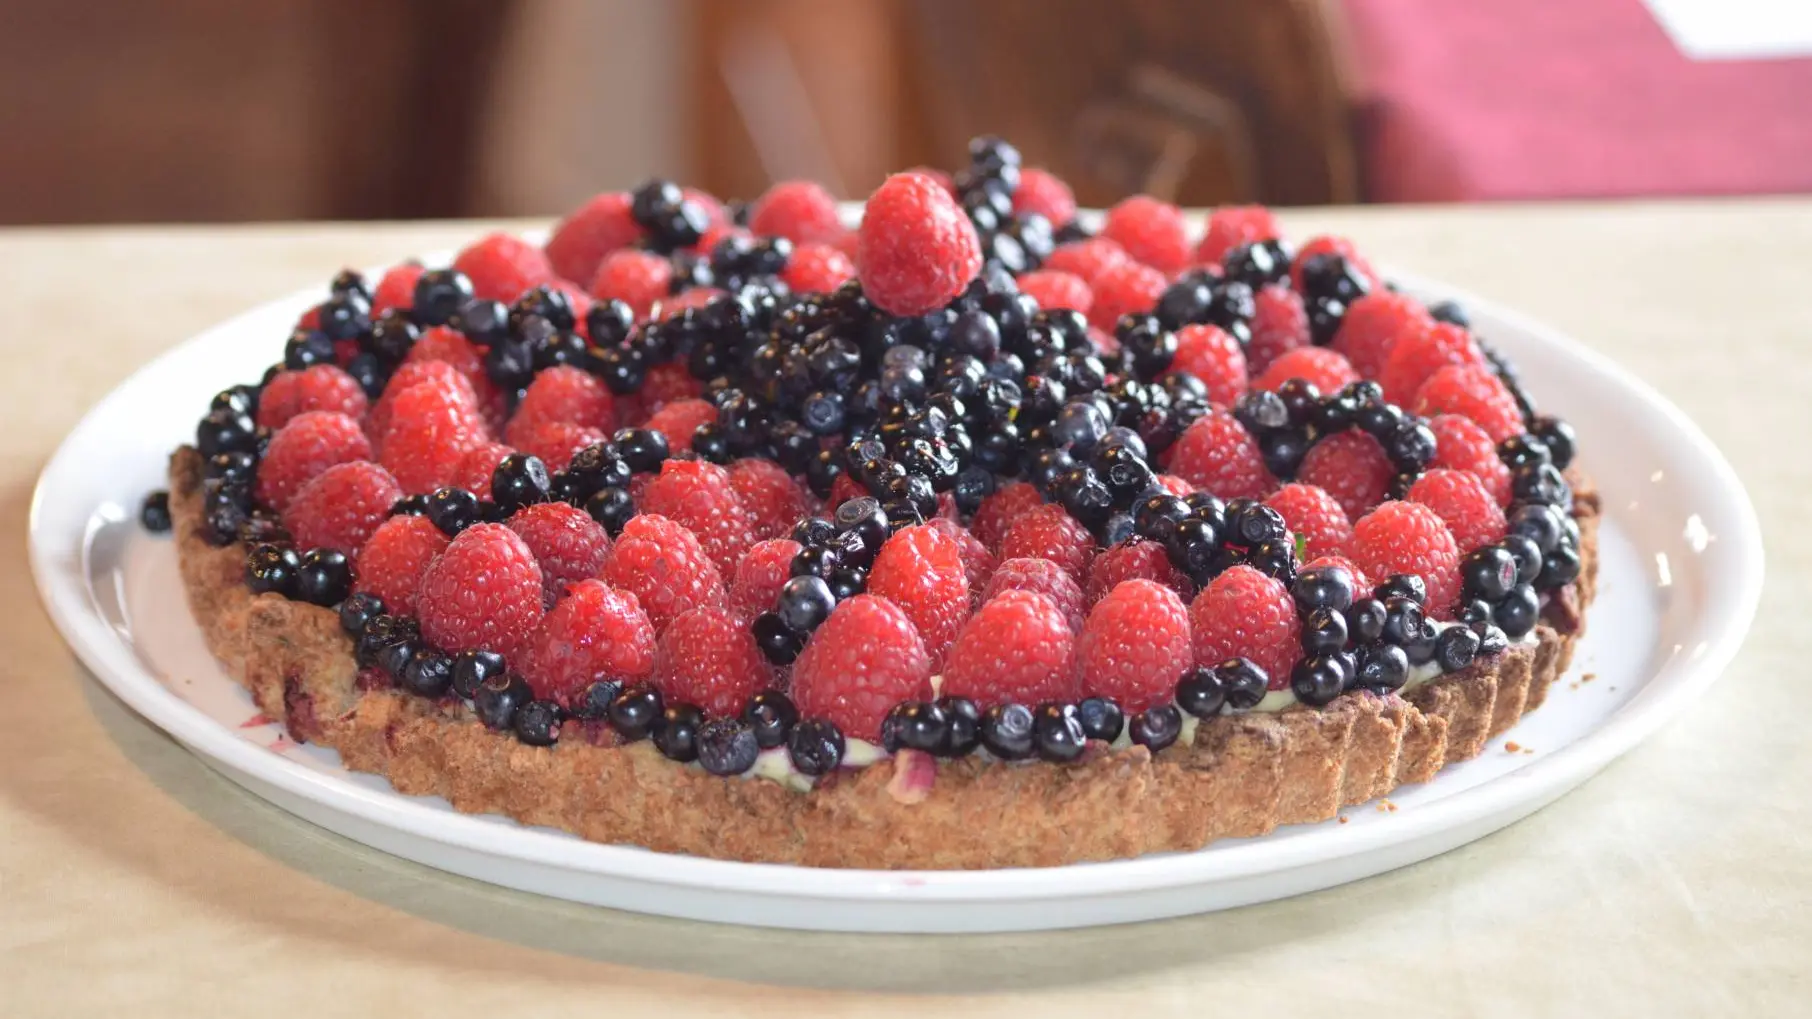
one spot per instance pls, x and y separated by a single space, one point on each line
1676 883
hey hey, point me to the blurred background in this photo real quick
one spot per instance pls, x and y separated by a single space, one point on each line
219 110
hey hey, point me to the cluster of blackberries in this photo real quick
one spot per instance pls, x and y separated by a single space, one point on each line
1014 242
319 576
1330 285
1204 537
1288 422
1199 297
738 262
670 219
231 446
832 564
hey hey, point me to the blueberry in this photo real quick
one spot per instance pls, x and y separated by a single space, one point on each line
770 715
1255 524
1559 438
1492 639
307 348
237 466
358 610
1411 447
1079 425
1258 263
1383 667
1156 515
1276 558
1283 450
380 634
1542 484
1527 555
1184 302
675 735
1323 587
1559 568
324 577
1365 620
226 431
472 669
1407 627
1006 730
273 569
1192 546
1523 451
1157 728
612 507
498 698
813 531
779 642
726 746
848 582
452 510
439 293
1451 312
428 673
154 512
1402 585
816 746
520 480
1201 692
1517 611
1455 648
537 723
1057 733
923 726
805 602
1317 679
1301 399
1489 573
1476 610
1323 632
963 731
635 712
864 517
238 399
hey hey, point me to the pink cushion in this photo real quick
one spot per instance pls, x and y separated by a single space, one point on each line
1566 99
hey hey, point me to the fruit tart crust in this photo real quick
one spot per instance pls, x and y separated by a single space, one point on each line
1244 774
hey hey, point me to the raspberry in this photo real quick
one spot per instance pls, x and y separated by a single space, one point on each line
1054 289
1460 500
1151 231
568 544
1232 226
1017 649
344 351
715 213
1044 193
554 442
699 497
667 383
342 506
1416 356
317 387
393 559
1218 455
501 267
817 269
1137 559
1125 289
921 570
1244 614
1086 258
310 443
1046 578
708 658
1462 445
1325 368
1408 537
1352 467
759 576
475 468
844 488
679 420
483 591
396 289
1471 391
978 562
443 344
1211 354
799 210
1135 645
409 375
568 395
597 228
1047 532
596 632
997 512
862 661
1279 325
664 566
1372 325
774 503
432 428
1361 582
1313 516
637 278
916 249
1332 245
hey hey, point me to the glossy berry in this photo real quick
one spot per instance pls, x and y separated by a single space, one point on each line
1329 587
676 734
1243 613
1383 667
471 669
1157 728
1317 680
663 565
709 658
519 479
1057 734
358 610
273 569
866 658
324 577
427 674
1201 692
537 723
635 712
1489 573
1517 612
916 250
154 512
498 698
1456 648
770 715
452 510
1134 645
815 746
1406 537
726 746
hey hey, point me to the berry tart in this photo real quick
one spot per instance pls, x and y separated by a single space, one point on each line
967 538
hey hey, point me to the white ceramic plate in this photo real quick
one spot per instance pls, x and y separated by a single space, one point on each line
1682 569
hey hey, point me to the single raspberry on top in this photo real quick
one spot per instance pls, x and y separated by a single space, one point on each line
1408 537
1280 324
554 442
393 559
397 288
1234 225
317 387
1472 391
1053 288
310 443
501 267
1244 614
478 465
1151 231
1136 559
921 570
670 382
1325 368
1044 193
431 430
568 544
1124 289
1462 445
1314 516
1016 649
866 658
1472 516
1218 455
1044 577
799 210
817 269
1211 354
637 278
569 395
978 563
679 421
773 501
1087 258
699 497
407 376
709 658
443 344
1372 325
916 250
763 571
1350 466
597 228
596 632
342 506
484 591
663 565
1417 355
1135 646
998 511
1047 532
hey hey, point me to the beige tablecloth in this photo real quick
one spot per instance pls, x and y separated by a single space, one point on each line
135 881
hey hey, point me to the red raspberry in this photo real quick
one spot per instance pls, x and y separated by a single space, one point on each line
595 633
501 267
664 566
920 569
1044 577
1017 649
637 278
393 559
916 249
484 591
1327 369
844 488
1047 532
1134 646
1279 324
1408 537
1471 391
597 228
978 562
943 178
685 300
1462 445
1372 325
317 387
1137 559
773 501
443 344
1211 354
555 442
699 497
669 382
310 443
1218 455
409 375
1416 356
568 395
1044 193
477 466
396 289
566 541
679 420
866 658
1087 258
1174 485
1125 289
1332 245
1352 467
817 269
799 210
715 213
707 657
1471 515
342 506
761 574
997 512
1244 614
1361 583
1313 516
1231 226
1054 289
432 429
1151 231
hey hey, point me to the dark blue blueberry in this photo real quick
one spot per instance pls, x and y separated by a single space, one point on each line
816 746
1451 312
1365 620
1382 667
1542 484
1100 718
770 715
1456 648
1157 728
611 507
1402 585
226 431
439 294
324 577
1006 730
520 480
1488 573
1317 679
1201 692
1517 612
1527 554
727 747
471 669
452 510
779 642
1559 568
635 712
1057 733
1323 632
358 610
498 698
1538 522
848 582
963 730
154 512
676 734
487 323
805 603
1522 451
922 726
537 723
1492 639
1559 437
306 348
380 634
272 569
428 673
1318 587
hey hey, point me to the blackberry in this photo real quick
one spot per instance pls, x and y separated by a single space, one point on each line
472 669
452 510
816 746
770 715
498 698
1157 728
273 569
1201 693
154 512
537 723
324 577
439 294
427 674
357 612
